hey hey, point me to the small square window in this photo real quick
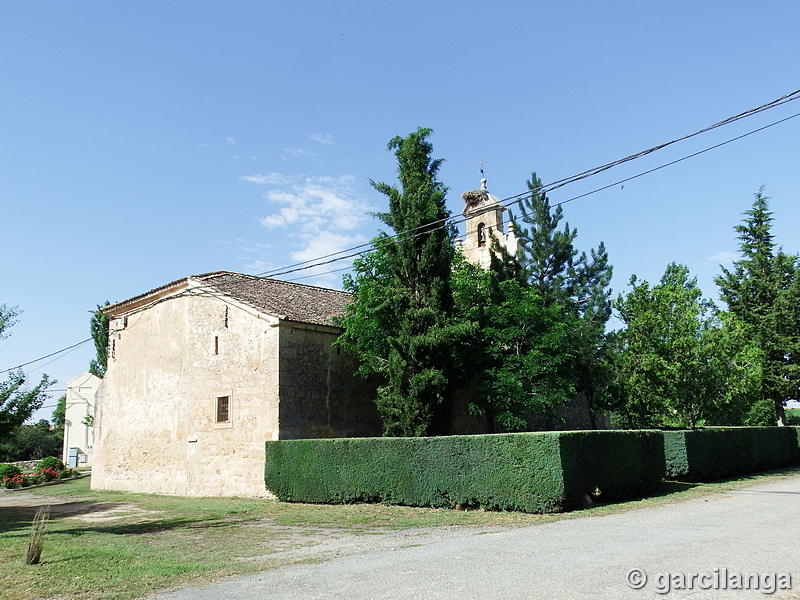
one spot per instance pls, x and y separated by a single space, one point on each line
223 409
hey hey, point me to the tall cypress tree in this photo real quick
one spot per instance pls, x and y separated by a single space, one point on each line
400 322
763 292
99 328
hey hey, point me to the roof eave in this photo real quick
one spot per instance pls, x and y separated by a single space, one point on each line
137 302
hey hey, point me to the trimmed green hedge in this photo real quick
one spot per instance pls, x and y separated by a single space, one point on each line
530 472
611 465
719 452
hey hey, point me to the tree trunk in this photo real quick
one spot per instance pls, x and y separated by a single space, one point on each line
780 412
590 405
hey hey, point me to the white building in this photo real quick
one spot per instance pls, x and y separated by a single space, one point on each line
82 397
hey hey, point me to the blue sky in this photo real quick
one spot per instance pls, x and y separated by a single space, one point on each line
146 141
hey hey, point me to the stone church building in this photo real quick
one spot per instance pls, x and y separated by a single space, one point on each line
203 370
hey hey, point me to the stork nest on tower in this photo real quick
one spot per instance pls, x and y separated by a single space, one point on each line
475 197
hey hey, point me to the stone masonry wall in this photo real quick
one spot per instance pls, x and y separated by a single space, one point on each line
319 395
157 431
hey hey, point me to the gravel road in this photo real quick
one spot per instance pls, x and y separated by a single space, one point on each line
717 538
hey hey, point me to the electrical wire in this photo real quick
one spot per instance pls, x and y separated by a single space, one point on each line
451 221
795 95
318 274
512 200
517 198
47 356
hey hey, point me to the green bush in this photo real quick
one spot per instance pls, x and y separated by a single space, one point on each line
530 472
50 462
719 452
9 471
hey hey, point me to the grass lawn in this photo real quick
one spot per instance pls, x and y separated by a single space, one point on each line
119 545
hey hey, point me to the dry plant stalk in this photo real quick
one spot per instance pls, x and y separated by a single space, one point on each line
36 540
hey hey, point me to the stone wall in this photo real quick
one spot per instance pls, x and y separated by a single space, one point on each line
572 416
156 429
24 464
319 395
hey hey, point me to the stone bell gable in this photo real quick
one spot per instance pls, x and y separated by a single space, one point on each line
484 215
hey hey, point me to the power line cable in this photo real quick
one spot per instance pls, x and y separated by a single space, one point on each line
669 164
47 356
565 181
451 221
513 199
318 274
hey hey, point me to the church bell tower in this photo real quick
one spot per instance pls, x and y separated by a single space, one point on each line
484 218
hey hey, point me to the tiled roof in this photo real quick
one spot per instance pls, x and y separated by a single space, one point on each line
290 301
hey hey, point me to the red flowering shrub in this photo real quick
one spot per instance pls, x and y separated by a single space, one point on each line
50 462
15 481
12 476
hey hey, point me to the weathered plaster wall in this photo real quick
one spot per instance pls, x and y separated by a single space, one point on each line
319 395
156 429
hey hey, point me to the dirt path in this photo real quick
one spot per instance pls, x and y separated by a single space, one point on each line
25 504
289 544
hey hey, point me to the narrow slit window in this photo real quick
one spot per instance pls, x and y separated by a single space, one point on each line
223 409
216 344
225 323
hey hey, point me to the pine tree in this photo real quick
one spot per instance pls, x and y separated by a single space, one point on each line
547 255
548 261
400 323
762 292
591 302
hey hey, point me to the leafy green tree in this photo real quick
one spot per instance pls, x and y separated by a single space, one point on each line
17 401
60 413
99 328
400 322
667 368
32 442
8 316
519 361
762 292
